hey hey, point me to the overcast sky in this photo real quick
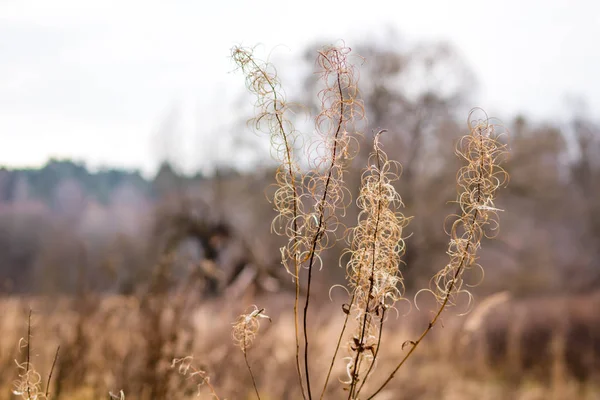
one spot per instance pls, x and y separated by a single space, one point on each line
95 80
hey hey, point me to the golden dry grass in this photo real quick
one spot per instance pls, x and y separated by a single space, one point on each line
113 341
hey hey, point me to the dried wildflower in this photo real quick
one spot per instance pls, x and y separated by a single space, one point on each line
477 182
244 332
373 272
186 367
29 384
246 327
313 230
271 109
117 396
336 144
271 117
341 109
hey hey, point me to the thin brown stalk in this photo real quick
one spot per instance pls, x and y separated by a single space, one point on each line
245 348
47 395
296 326
318 232
295 230
251 375
288 160
185 366
243 57
210 387
28 354
337 347
416 343
378 346
245 330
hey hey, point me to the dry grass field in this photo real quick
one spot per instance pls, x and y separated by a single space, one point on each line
504 349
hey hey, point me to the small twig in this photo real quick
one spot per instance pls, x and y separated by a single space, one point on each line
47 395
28 354
337 347
376 353
317 235
251 374
278 110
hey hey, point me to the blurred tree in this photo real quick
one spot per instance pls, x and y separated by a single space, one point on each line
585 177
167 181
69 199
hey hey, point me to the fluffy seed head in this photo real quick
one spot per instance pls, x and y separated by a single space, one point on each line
482 152
246 327
373 270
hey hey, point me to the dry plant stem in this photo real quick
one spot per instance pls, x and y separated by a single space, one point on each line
204 379
251 375
360 349
245 330
339 342
212 390
296 327
431 324
47 395
473 234
210 386
295 210
295 227
350 307
337 348
295 238
376 353
28 353
318 232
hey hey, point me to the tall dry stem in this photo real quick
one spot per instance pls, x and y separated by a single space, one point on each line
477 181
374 278
373 271
29 384
336 124
271 109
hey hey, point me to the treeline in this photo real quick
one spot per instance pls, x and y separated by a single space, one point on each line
64 227
47 184
17 185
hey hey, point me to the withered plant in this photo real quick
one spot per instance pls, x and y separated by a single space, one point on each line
311 198
29 385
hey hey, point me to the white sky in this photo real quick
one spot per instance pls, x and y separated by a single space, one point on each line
95 79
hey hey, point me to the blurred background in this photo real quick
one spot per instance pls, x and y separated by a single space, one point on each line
134 195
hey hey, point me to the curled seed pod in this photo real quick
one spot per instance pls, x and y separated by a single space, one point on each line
271 110
246 327
477 182
373 273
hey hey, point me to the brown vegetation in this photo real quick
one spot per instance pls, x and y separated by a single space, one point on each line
147 313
